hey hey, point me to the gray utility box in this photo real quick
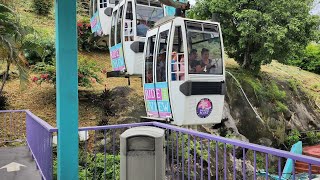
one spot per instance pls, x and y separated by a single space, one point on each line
142 154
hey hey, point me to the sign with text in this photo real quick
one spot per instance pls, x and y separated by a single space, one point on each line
157 100
95 24
117 59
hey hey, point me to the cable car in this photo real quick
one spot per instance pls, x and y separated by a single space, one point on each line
184 72
99 19
130 21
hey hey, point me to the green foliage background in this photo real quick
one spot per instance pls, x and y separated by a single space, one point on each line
310 59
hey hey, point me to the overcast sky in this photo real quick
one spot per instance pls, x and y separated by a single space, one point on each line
192 2
316 8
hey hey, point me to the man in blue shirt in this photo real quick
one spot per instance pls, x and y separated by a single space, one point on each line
142 28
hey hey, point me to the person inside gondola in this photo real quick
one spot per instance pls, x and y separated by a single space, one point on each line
161 66
149 78
206 64
193 62
182 68
142 28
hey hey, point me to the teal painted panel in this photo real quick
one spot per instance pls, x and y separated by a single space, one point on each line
171 11
288 168
67 88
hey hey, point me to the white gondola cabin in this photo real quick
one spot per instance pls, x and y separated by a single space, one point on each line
130 21
184 73
100 16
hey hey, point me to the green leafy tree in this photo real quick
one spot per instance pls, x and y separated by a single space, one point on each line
11 34
255 32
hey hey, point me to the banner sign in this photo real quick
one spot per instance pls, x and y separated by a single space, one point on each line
95 24
117 59
157 100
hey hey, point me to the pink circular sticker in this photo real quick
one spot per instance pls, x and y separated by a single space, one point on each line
204 108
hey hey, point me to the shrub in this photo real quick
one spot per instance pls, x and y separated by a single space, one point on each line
42 7
47 73
84 32
87 41
38 48
87 70
293 137
95 166
312 137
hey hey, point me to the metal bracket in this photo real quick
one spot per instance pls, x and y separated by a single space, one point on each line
154 119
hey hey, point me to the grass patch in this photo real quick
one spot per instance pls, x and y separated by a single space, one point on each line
274 93
280 107
293 84
316 87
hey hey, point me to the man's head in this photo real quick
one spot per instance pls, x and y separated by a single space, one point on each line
193 54
162 54
205 54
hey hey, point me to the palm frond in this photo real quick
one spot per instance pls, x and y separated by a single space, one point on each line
5 9
18 61
6 43
23 71
11 31
10 27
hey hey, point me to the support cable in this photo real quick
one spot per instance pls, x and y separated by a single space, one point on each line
239 85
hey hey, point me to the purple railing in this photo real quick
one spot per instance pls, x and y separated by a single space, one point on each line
23 126
216 157
39 140
189 154
12 126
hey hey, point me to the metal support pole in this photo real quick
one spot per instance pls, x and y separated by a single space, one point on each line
67 88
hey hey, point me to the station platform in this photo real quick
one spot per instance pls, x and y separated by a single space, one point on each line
16 163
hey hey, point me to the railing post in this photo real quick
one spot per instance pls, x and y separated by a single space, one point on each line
67 88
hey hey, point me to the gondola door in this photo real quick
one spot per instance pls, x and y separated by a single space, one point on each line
149 75
161 81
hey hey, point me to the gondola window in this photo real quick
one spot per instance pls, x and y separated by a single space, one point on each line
205 51
149 59
162 56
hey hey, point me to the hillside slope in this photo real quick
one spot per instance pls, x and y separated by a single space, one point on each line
285 97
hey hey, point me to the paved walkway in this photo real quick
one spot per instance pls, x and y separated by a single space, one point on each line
16 164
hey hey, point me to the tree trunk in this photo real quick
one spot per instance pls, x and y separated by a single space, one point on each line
246 58
4 79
